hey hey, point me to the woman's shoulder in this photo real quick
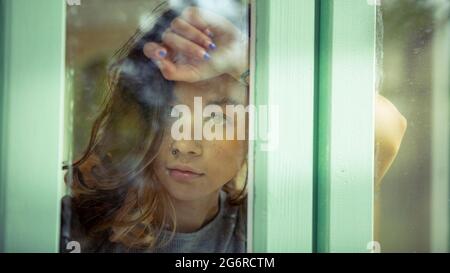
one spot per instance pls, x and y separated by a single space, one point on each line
237 212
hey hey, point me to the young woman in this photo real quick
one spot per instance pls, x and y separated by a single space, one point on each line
138 188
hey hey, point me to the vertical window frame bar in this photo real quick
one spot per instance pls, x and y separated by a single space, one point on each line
284 76
33 97
345 151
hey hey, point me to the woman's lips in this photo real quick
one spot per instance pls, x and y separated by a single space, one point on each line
183 174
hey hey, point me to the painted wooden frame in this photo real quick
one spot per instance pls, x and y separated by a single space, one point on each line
285 78
315 192
345 122
32 124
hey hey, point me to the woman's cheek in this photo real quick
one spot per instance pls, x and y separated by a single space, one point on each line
225 158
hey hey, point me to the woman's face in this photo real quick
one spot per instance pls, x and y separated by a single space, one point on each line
192 169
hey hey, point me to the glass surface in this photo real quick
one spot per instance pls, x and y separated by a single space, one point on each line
156 160
414 194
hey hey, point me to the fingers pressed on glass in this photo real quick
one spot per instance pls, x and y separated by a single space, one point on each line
177 72
191 33
184 46
194 17
155 51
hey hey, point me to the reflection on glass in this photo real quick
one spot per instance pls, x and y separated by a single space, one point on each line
152 165
414 195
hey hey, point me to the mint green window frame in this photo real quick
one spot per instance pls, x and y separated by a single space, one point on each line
315 194
312 194
31 124
345 155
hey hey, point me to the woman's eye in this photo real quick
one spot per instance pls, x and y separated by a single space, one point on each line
172 114
218 118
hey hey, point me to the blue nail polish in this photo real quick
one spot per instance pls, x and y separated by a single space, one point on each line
206 56
209 33
162 53
212 46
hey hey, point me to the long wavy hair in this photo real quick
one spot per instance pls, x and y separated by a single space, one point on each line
113 187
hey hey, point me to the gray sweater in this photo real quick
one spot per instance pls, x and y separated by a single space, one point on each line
226 233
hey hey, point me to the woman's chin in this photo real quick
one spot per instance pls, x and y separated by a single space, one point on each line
184 193
187 193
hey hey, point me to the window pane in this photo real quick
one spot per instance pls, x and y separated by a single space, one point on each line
414 195
156 157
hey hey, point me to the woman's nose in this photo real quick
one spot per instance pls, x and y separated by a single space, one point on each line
186 148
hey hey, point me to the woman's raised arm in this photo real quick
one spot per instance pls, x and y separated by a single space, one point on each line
199 45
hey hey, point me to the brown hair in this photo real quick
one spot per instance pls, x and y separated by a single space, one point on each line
113 188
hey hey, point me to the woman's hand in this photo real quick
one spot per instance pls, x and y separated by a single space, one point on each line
390 127
200 45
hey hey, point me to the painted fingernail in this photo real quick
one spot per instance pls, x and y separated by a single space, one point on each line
212 46
209 33
206 56
162 53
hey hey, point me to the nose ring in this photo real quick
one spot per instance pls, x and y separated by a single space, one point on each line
174 151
